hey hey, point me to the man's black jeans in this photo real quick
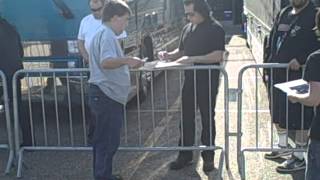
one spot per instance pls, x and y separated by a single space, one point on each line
188 108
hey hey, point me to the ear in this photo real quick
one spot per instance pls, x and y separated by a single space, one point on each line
114 18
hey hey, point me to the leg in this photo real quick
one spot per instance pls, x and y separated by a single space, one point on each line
204 105
187 126
91 125
24 118
313 162
109 116
296 162
188 113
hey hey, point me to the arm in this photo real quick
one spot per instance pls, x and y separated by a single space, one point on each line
213 57
217 42
113 63
311 99
170 56
175 54
83 51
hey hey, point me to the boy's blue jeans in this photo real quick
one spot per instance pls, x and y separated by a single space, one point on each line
108 116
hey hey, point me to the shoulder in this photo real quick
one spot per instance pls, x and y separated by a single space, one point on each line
106 35
87 18
216 28
5 24
315 56
308 15
285 10
7 28
314 60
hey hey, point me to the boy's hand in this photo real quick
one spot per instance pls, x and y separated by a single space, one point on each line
135 62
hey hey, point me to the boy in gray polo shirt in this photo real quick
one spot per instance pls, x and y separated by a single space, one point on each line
109 86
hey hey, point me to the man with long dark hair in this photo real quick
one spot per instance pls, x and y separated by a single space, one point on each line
202 43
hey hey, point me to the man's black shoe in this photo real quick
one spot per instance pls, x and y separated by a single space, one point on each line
180 163
208 166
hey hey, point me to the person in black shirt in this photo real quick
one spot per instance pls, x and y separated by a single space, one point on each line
11 53
291 41
202 42
312 76
146 47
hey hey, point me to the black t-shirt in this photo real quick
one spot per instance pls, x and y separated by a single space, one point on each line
312 73
202 39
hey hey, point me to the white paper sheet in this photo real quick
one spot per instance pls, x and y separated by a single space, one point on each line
299 86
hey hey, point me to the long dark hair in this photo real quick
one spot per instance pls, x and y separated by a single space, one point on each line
203 8
200 6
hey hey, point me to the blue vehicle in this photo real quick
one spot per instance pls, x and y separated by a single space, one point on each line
44 20
49 30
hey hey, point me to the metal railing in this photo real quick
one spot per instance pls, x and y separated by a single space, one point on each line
59 115
261 142
9 145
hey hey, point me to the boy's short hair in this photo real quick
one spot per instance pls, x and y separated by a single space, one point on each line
114 8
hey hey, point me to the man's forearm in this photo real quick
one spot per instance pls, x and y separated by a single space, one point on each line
83 50
175 54
214 57
310 99
113 63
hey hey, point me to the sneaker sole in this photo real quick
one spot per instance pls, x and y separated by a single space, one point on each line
278 156
280 170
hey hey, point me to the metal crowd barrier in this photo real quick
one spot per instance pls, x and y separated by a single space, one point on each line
151 126
268 143
9 145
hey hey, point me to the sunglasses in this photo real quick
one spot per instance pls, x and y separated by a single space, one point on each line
190 14
97 9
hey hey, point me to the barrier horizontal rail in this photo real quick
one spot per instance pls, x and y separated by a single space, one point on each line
256 147
62 131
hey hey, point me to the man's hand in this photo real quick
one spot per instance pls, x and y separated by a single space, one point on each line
184 60
294 65
135 62
163 55
292 98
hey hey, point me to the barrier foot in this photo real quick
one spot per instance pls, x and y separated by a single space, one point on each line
20 158
242 166
10 162
221 161
227 160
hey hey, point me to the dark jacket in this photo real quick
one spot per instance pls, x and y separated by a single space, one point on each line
298 44
11 52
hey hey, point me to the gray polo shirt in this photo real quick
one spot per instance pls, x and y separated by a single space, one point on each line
115 83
